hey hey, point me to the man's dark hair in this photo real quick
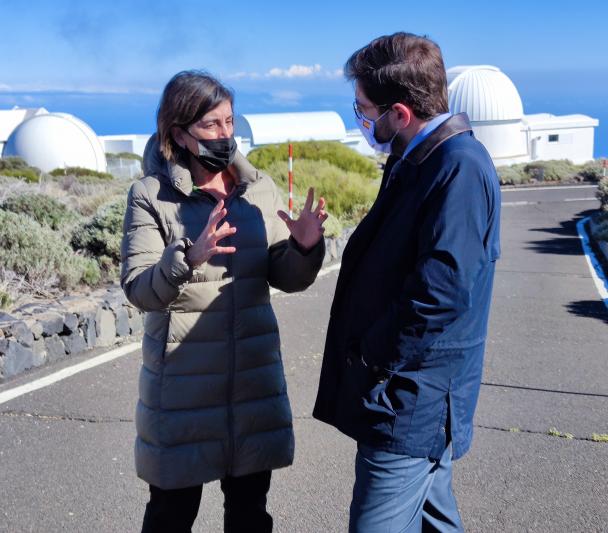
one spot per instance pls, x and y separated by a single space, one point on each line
402 67
186 98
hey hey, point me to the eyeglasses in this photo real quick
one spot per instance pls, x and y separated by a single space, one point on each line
359 114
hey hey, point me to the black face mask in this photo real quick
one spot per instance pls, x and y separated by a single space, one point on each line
215 155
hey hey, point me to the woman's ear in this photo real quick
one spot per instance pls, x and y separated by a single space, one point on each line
178 136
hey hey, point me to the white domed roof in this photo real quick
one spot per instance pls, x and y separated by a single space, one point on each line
56 140
484 93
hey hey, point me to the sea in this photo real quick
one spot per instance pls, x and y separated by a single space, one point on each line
556 92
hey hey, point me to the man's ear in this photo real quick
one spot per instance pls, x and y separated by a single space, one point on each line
178 136
403 115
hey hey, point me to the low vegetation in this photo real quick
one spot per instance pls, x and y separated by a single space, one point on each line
80 172
335 153
100 237
42 256
347 180
44 209
561 170
15 167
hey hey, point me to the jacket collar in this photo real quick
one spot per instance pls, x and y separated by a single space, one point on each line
243 171
452 126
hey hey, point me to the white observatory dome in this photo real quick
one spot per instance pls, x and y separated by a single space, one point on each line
484 93
56 140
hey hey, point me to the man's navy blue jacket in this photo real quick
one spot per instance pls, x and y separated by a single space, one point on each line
404 350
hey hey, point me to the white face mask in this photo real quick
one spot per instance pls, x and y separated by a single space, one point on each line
368 129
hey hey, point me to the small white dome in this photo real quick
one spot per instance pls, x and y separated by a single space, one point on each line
56 140
484 93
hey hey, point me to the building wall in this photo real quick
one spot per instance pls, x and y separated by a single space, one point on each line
501 139
575 144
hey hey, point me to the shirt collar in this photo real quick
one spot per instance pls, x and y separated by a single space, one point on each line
430 127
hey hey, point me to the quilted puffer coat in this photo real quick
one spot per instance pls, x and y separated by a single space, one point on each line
212 392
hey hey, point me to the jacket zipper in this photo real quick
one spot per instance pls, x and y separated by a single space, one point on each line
231 360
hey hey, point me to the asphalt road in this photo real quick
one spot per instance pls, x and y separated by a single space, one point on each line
66 450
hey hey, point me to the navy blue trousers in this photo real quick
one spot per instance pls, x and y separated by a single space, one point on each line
402 494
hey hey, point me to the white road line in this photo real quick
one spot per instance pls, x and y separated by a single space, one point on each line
523 202
322 272
550 188
11 394
580 200
601 283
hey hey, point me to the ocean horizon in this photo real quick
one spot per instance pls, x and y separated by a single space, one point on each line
558 93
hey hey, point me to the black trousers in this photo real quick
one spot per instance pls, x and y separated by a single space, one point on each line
174 511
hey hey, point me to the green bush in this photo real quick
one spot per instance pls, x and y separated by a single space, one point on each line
28 174
344 192
336 153
602 193
512 175
592 170
124 155
554 170
13 163
101 236
81 172
41 254
42 208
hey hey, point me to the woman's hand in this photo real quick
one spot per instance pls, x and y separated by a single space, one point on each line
308 229
205 247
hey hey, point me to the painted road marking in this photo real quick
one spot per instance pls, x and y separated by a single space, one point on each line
10 394
550 188
525 202
597 273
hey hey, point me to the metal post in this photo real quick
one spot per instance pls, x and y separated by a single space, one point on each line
290 181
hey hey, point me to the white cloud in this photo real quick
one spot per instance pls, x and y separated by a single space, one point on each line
292 72
295 71
75 88
285 98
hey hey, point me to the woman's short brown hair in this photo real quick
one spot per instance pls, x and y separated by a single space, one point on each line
402 67
186 98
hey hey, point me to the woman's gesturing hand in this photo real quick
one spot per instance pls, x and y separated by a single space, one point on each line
308 229
205 247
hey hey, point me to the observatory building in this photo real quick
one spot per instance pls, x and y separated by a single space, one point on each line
496 112
253 130
55 140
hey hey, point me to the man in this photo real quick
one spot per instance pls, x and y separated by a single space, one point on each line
404 350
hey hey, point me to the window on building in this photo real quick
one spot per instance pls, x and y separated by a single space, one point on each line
553 138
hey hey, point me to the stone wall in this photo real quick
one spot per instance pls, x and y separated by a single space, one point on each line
48 331
45 332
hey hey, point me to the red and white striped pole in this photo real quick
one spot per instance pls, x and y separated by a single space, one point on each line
290 181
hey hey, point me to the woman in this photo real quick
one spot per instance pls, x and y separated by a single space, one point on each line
204 237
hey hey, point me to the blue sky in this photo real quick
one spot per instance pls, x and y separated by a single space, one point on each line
282 54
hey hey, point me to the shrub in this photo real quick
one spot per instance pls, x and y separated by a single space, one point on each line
28 174
333 152
81 172
124 155
343 191
13 163
592 170
40 254
602 193
101 236
42 208
512 175
554 170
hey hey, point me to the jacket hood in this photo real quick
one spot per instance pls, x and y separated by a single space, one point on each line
155 164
